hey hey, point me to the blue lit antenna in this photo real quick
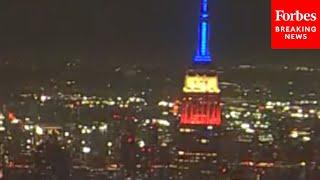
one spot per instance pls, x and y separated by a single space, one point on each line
202 54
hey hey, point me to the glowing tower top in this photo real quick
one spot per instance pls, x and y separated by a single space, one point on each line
202 54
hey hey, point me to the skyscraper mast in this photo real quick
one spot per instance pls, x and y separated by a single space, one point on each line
203 53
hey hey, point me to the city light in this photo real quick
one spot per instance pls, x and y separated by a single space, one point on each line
86 150
66 134
109 144
39 130
141 143
2 116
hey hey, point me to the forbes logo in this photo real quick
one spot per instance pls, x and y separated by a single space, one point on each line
281 15
295 24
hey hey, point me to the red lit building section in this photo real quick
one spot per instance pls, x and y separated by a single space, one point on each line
201 109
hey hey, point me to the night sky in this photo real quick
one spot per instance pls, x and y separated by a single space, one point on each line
136 31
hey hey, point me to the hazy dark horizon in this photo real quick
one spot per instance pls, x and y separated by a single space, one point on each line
144 32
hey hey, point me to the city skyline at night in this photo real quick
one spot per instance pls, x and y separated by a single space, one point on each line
154 90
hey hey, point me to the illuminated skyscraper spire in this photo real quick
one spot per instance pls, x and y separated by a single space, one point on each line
202 54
